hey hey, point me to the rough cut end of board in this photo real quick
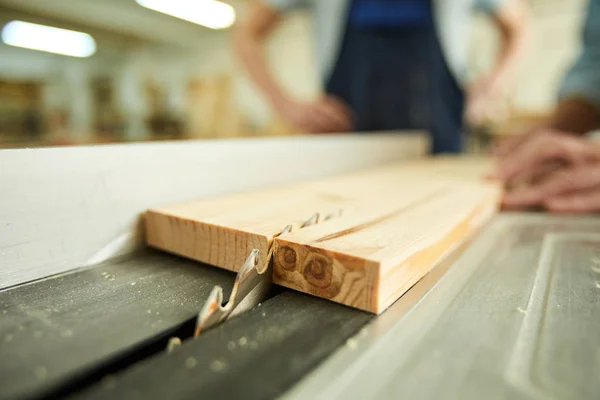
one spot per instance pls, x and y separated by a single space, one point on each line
397 222
328 274
203 241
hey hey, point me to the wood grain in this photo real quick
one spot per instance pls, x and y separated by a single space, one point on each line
397 222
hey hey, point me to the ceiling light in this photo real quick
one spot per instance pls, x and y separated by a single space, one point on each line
47 38
210 13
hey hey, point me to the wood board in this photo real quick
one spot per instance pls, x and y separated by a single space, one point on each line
397 222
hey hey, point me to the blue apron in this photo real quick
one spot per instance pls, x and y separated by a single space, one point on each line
395 77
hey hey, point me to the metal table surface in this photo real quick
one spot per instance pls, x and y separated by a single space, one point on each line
516 315
102 332
65 328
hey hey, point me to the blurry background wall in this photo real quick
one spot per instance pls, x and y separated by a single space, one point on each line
157 77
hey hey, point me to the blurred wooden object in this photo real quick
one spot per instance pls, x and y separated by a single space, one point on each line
517 124
482 137
211 112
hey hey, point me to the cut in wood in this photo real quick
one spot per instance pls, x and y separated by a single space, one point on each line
396 223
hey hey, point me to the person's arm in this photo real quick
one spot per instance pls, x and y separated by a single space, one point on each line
511 18
578 109
323 115
579 99
248 43
576 115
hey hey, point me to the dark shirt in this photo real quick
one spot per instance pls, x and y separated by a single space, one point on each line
390 13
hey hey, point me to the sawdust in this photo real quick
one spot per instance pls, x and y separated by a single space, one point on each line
519 309
108 276
231 345
174 343
264 314
218 365
133 283
243 341
352 343
598 284
191 362
596 269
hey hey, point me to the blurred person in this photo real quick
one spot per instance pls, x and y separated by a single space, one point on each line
386 64
554 166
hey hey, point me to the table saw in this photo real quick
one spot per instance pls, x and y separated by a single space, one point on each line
87 311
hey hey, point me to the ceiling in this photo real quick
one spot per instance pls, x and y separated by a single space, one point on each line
124 17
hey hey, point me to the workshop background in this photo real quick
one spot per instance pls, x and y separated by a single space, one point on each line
154 77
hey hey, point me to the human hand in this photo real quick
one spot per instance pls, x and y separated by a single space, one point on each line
324 115
539 151
520 135
482 101
574 189
553 170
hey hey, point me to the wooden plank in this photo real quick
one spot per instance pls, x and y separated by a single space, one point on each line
369 260
397 222
222 231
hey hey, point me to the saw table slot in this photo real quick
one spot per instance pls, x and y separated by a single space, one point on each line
61 333
257 355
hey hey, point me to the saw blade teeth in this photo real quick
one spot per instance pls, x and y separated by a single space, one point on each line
250 263
211 307
314 219
214 311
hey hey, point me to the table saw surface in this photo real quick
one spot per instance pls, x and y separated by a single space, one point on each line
516 315
85 312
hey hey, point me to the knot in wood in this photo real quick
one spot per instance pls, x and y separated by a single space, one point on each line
318 270
287 258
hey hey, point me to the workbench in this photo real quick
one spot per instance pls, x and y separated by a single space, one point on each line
86 311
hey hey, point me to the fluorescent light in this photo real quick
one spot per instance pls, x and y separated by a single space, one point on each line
47 38
210 13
